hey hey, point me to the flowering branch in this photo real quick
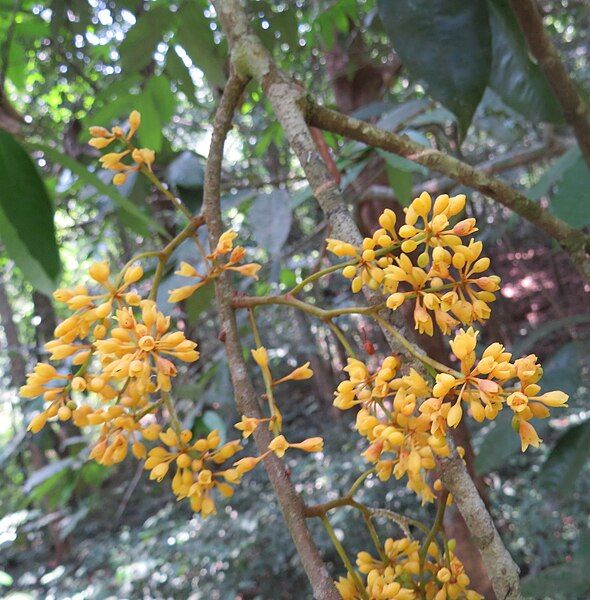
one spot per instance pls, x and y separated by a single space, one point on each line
246 398
572 240
250 58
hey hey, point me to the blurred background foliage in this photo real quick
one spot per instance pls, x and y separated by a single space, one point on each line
73 529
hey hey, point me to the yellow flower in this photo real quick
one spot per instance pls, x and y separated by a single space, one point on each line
340 249
300 373
553 399
139 347
134 123
260 356
528 435
314 444
279 445
464 343
248 270
144 156
225 243
248 425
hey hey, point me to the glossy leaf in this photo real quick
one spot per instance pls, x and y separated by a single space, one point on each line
515 77
447 45
271 218
46 472
178 72
555 173
150 132
138 220
199 302
527 343
499 443
562 371
196 37
569 580
566 461
570 199
137 48
27 229
401 182
161 92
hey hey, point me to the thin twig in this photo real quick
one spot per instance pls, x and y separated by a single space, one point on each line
245 395
574 108
572 240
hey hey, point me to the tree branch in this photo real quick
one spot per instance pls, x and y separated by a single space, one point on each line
572 240
541 47
251 59
289 500
504 162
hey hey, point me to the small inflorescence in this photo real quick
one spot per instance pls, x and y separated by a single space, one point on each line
445 281
113 161
396 574
217 262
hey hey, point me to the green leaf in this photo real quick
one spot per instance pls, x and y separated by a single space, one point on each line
570 199
137 218
212 420
44 473
150 132
399 162
499 443
271 217
401 182
93 474
566 461
111 110
515 78
569 580
554 173
563 370
5 579
195 36
199 302
288 278
178 72
445 43
27 229
137 49
527 343
286 23
163 97
186 171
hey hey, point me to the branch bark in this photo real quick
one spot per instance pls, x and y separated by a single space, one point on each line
251 59
291 504
573 241
575 110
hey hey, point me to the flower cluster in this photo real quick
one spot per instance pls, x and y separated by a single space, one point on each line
197 467
216 263
406 420
486 385
399 437
113 161
444 278
122 354
396 575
